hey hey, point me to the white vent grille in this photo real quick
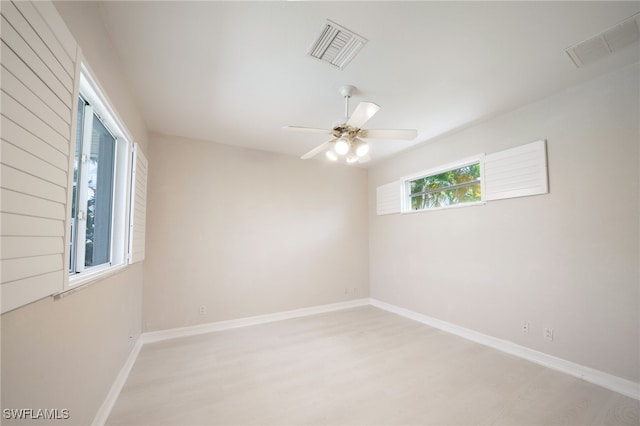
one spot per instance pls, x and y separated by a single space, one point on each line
336 45
610 41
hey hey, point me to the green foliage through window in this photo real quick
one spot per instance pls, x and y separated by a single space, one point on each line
456 186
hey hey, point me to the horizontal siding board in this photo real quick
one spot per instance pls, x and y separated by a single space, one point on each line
516 172
15 111
140 201
511 171
25 267
515 193
513 163
44 32
55 22
18 225
139 243
19 181
22 160
33 40
23 73
26 54
388 198
16 247
138 216
28 205
36 103
21 292
523 182
141 180
516 152
19 137
516 175
17 90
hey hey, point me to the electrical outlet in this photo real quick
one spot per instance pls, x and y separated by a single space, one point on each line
202 310
524 326
548 334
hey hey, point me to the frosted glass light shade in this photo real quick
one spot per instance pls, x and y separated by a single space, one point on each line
341 147
362 149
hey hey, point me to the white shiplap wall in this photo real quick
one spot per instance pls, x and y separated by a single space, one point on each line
388 198
516 172
37 101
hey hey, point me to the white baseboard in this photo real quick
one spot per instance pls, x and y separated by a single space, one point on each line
608 381
600 378
106 407
157 336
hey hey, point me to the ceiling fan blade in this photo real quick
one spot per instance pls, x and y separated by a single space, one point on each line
316 150
306 129
406 134
364 111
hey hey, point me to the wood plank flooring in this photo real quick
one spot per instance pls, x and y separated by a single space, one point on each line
362 366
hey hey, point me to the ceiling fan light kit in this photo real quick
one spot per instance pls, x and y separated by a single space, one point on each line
348 135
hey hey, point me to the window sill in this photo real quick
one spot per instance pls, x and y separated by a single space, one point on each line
455 206
82 281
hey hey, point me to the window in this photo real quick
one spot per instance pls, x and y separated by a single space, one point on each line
93 191
445 187
101 184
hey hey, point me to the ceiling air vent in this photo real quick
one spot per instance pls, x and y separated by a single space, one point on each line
610 41
336 45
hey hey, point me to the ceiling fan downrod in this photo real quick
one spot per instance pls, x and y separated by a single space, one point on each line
347 91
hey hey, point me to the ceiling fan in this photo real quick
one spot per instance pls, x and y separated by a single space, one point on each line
348 134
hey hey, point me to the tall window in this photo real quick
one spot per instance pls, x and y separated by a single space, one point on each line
101 187
445 188
93 190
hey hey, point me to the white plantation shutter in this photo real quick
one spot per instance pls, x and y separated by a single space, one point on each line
388 198
516 172
138 206
37 102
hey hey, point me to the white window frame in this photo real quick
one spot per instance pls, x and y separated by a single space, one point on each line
406 184
90 90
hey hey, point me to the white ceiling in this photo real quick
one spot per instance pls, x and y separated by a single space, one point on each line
237 72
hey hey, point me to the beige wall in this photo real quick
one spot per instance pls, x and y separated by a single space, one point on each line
567 260
67 353
246 232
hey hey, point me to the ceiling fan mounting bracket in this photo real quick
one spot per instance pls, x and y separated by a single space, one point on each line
347 90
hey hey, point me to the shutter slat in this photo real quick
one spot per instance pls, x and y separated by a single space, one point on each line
139 207
16 247
516 172
36 104
388 198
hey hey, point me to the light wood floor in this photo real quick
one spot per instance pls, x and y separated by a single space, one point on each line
362 366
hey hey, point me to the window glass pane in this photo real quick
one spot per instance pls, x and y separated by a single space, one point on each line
448 178
456 186
459 195
74 194
100 195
